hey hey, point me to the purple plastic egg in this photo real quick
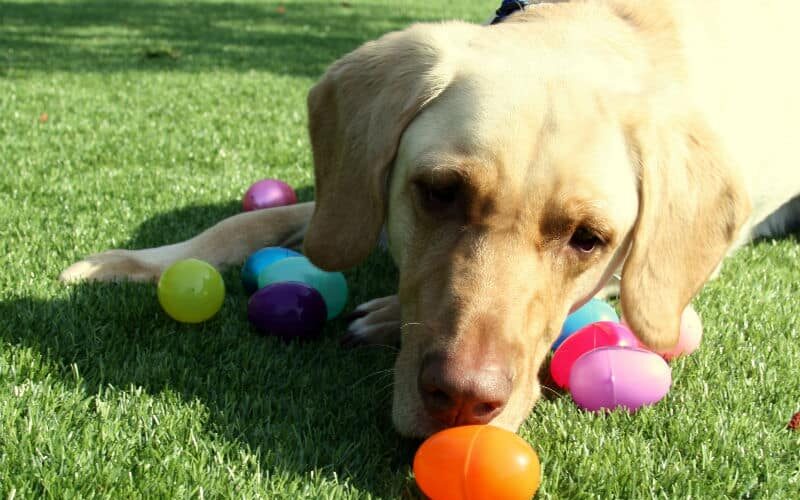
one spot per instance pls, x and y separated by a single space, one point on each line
268 193
611 377
288 310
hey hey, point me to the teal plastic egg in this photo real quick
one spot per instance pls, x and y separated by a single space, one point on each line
258 261
591 312
331 285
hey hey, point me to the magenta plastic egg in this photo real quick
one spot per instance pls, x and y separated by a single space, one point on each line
612 377
601 334
690 335
268 193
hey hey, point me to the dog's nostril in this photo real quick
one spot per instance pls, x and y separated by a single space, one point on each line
455 396
437 398
439 404
482 410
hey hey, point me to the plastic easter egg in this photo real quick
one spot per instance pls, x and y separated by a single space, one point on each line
690 336
268 193
604 333
258 261
287 310
611 377
476 462
591 312
332 286
191 291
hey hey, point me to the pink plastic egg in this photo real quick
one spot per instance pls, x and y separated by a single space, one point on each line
690 336
611 377
268 193
603 333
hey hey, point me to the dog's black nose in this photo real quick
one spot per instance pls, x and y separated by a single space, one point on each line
456 395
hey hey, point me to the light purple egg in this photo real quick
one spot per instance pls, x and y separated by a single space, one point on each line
268 193
610 377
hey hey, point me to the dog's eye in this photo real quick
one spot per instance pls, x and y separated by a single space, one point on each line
585 240
437 197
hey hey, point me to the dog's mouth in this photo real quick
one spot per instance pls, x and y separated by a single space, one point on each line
463 384
411 419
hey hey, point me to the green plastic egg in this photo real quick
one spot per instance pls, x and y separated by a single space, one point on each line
191 291
332 286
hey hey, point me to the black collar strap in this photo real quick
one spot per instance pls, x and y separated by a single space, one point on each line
507 8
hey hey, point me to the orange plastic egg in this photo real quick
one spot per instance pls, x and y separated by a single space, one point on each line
476 462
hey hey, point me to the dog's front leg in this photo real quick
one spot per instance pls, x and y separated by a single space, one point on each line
228 242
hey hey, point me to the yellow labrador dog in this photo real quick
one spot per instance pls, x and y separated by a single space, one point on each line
516 167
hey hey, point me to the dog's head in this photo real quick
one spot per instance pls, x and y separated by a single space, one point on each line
514 179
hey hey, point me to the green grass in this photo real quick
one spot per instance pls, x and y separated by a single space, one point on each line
159 115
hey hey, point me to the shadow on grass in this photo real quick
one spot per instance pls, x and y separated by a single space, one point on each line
298 407
184 223
146 35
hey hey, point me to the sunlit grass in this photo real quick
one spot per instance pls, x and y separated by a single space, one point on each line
133 124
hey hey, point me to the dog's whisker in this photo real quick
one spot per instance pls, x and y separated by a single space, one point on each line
555 392
378 373
406 325
390 347
386 389
361 347
386 398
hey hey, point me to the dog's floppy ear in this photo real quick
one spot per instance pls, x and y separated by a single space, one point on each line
357 114
692 205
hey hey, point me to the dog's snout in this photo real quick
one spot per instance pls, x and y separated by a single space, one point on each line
455 394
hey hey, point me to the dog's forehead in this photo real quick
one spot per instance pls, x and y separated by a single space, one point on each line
545 139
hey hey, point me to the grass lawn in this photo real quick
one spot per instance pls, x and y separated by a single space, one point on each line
139 123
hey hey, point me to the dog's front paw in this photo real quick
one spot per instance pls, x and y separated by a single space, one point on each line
376 322
113 265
